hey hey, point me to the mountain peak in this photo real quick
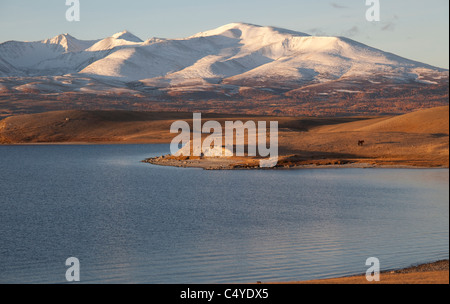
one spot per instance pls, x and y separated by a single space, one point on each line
68 42
242 30
126 35
60 37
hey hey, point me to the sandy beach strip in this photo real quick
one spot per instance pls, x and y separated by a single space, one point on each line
429 273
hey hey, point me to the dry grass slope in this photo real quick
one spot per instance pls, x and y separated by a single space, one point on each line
432 121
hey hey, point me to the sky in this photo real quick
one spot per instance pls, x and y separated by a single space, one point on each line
415 29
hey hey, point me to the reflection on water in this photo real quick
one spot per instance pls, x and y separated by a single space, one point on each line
136 223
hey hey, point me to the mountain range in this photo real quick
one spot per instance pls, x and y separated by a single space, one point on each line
224 62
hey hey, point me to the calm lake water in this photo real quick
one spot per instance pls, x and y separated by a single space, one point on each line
131 222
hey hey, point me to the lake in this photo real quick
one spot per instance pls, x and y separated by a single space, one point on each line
132 222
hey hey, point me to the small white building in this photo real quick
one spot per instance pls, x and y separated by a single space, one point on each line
187 150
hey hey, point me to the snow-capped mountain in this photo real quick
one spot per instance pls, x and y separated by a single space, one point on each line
236 54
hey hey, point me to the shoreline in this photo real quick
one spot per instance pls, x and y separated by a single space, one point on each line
243 163
428 273
240 163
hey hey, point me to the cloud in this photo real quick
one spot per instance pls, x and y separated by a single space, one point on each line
390 26
354 30
317 32
337 5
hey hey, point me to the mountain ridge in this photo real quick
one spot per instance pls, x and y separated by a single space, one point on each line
239 46
238 62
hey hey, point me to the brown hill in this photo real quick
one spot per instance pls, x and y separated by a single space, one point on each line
431 121
122 126
88 126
